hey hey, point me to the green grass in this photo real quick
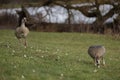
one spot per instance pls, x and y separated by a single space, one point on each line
57 56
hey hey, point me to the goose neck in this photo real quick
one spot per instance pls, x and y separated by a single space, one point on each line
23 24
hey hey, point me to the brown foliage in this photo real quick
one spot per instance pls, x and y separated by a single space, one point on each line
7 19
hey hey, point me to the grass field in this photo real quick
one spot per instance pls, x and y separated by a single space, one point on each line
57 56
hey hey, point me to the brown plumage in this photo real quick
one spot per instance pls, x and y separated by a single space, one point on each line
22 31
97 53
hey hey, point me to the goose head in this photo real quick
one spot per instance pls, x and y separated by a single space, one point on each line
24 20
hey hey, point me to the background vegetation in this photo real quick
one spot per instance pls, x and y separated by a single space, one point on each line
99 26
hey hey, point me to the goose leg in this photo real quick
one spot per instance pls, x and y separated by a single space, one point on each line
95 62
20 41
103 61
25 42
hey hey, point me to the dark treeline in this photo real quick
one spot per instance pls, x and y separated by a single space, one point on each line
16 1
99 26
